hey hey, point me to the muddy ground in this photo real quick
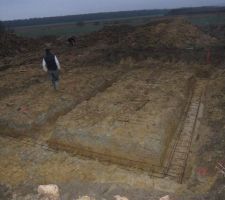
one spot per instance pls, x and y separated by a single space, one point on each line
131 109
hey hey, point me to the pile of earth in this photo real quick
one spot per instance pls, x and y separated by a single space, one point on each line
177 34
11 44
217 31
109 35
163 38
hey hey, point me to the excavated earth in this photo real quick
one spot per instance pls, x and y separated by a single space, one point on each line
38 104
138 114
137 129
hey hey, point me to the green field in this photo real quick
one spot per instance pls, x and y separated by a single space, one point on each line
68 29
56 30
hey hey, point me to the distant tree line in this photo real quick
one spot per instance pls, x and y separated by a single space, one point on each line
80 19
2 27
84 17
197 10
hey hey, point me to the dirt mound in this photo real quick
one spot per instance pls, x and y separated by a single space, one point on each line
108 35
10 44
177 33
174 34
217 31
166 39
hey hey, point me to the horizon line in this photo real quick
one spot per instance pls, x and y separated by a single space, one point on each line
104 12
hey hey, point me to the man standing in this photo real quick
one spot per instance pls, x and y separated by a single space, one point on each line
51 65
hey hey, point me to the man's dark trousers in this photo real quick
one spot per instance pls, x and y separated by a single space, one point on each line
54 77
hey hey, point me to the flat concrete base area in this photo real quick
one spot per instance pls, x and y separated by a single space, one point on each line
131 123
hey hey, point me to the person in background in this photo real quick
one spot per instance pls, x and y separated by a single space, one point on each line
51 65
72 41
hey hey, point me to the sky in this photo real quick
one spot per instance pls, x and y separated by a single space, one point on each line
22 9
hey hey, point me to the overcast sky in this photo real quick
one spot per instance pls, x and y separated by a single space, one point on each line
21 9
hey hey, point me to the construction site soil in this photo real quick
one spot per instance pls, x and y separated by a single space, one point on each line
121 123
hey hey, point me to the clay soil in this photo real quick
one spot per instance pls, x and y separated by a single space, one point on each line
112 124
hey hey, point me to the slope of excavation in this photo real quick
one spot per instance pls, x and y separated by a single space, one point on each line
183 140
26 163
39 103
131 123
